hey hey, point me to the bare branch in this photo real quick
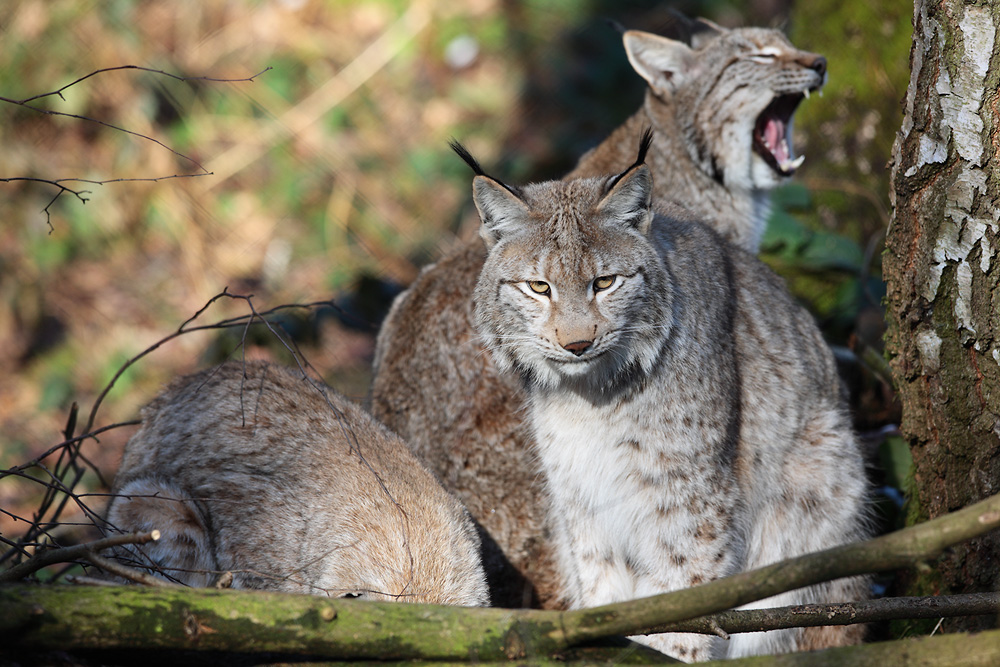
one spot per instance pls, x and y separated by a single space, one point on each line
178 77
78 618
903 548
79 194
138 576
69 554
846 613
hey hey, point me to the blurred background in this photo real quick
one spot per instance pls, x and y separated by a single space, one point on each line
328 178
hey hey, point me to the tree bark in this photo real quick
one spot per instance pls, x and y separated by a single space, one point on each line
941 269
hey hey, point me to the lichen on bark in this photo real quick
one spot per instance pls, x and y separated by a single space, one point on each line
941 272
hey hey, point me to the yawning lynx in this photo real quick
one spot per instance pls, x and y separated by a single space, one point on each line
721 108
686 412
722 112
257 471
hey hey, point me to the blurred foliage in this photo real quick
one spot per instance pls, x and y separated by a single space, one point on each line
848 136
330 175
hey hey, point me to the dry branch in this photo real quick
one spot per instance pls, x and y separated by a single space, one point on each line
89 552
58 183
223 620
896 550
847 613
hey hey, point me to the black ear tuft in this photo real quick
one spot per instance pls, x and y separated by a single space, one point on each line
681 27
464 153
644 144
616 25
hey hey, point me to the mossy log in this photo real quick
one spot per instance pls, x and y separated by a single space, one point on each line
46 617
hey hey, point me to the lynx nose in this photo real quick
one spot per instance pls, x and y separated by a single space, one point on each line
578 347
818 65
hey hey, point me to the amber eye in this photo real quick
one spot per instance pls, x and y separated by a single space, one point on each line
539 286
603 283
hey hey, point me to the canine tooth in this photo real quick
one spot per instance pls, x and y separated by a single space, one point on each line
805 93
796 163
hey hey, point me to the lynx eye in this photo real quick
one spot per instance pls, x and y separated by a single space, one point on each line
765 55
603 283
539 286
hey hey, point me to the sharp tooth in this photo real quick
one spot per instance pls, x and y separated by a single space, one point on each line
805 93
796 163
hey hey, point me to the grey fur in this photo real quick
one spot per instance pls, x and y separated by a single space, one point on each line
257 471
687 413
436 385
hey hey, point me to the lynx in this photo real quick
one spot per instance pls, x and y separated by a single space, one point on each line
261 472
687 414
722 110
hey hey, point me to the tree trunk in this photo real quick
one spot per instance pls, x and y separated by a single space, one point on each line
941 269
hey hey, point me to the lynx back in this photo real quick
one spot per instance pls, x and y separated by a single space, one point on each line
722 140
259 471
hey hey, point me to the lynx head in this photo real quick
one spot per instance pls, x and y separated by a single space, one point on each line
733 94
572 290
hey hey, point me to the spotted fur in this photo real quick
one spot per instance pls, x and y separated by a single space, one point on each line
436 385
686 413
258 471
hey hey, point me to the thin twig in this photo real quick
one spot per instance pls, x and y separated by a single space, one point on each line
116 68
76 552
80 194
84 580
138 576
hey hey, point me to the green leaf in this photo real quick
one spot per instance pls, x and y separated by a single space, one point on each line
832 251
894 455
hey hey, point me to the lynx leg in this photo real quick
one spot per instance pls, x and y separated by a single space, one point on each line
818 505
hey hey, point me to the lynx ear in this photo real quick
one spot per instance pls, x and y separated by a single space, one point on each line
693 32
499 208
499 205
629 201
702 31
660 61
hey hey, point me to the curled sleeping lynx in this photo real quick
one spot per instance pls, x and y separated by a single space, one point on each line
722 109
258 471
687 414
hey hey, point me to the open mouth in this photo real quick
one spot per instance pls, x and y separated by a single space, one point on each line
772 134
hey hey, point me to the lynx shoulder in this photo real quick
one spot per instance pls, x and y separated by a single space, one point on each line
259 471
686 412
436 385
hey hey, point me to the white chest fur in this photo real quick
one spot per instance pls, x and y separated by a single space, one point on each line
638 504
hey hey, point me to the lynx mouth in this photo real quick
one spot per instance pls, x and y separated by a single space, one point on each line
772 134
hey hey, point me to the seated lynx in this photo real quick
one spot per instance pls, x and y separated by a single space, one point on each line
258 471
686 413
722 110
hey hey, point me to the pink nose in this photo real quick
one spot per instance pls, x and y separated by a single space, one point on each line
578 347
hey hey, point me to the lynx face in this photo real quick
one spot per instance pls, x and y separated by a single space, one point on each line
734 94
580 310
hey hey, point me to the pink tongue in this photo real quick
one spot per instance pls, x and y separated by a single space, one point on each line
774 132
